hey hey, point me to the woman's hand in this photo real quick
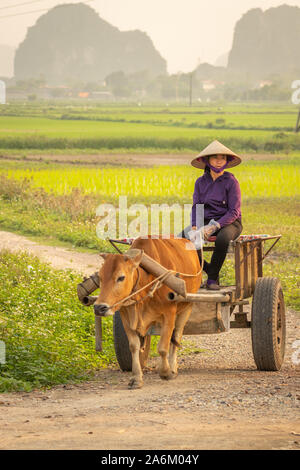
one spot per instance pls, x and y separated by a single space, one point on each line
208 230
192 234
211 228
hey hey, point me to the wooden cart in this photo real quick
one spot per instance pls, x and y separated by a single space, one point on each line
219 311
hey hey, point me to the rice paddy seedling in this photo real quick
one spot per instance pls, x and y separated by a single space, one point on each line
269 179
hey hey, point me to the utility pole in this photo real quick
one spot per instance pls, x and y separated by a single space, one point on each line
297 129
191 88
177 79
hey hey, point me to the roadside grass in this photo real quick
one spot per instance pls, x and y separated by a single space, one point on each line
48 334
286 269
28 219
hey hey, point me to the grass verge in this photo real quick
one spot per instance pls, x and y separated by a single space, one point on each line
48 334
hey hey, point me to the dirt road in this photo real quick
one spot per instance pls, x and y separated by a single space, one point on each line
121 159
218 401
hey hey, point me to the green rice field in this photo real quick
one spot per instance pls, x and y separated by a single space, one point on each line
249 128
258 179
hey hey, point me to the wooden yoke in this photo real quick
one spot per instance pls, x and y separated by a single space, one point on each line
153 267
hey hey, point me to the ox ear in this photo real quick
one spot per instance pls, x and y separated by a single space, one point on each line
135 255
138 258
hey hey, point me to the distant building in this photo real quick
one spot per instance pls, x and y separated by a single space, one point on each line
209 85
263 83
83 94
102 95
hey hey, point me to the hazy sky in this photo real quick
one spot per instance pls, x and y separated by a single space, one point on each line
185 32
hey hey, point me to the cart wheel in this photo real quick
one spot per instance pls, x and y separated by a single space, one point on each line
122 346
268 324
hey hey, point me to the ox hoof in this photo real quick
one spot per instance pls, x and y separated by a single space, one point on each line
168 376
134 383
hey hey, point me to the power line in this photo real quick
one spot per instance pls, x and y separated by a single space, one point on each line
36 11
24 13
20 4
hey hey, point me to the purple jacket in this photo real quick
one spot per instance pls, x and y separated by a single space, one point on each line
221 198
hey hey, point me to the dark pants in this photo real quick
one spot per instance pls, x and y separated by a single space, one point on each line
224 236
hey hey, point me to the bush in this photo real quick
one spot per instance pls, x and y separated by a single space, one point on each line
274 146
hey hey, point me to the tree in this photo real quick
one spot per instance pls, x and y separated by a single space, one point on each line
118 83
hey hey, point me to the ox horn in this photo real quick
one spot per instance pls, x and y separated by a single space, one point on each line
103 255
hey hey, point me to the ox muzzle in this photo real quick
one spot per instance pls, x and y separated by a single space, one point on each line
103 310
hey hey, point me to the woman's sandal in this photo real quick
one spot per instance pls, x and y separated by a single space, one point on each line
213 286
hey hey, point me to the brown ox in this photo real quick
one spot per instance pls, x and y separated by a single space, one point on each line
120 274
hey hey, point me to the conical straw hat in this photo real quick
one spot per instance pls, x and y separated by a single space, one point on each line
216 148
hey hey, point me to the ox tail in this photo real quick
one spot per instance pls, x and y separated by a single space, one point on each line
173 340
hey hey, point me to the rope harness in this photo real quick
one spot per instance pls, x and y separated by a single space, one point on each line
158 282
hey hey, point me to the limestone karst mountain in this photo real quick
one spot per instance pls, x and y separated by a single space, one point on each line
267 42
72 41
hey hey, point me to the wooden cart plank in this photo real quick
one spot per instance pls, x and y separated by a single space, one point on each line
245 269
239 271
98 333
259 259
